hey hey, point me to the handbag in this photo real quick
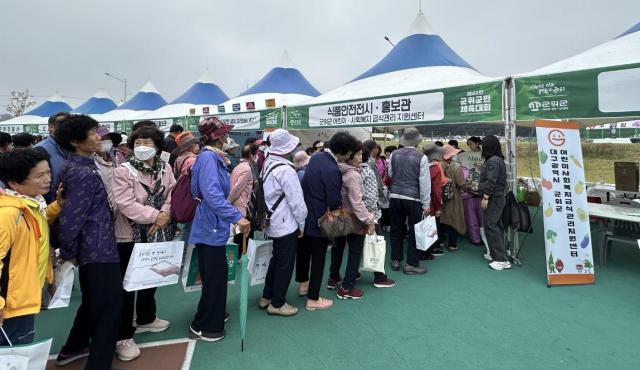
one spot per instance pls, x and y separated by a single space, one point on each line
426 232
332 226
373 253
183 204
155 199
447 190
259 253
32 356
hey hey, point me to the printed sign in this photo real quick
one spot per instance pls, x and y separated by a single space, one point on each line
236 107
251 105
567 232
221 109
205 110
398 109
270 103
471 160
11 129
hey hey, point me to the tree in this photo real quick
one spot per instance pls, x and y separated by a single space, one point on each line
19 101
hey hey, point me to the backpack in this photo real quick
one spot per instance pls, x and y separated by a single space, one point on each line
516 215
260 212
183 204
155 199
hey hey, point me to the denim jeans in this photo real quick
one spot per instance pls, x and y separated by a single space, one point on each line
19 329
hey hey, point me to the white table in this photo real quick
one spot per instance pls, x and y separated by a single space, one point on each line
609 189
610 212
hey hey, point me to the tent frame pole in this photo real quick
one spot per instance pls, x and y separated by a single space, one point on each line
513 242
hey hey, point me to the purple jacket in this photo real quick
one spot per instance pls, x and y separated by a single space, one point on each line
86 222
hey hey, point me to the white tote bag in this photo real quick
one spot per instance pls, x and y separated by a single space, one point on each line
426 233
259 253
65 275
153 265
32 356
373 253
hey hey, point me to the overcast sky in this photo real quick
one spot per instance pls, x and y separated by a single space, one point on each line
66 46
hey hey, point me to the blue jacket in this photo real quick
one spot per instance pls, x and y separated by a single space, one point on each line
56 161
322 185
214 215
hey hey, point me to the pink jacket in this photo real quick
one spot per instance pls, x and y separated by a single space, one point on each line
130 196
184 163
352 194
241 186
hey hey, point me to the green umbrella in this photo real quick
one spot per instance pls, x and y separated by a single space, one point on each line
244 290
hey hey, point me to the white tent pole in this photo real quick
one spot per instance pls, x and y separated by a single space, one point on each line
283 124
510 139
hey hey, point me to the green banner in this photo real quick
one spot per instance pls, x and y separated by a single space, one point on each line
464 104
243 121
594 93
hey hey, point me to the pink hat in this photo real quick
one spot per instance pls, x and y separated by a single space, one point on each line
300 159
448 151
212 128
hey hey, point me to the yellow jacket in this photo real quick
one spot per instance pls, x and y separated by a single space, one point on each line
20 250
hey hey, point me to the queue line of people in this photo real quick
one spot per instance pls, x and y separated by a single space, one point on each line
105 200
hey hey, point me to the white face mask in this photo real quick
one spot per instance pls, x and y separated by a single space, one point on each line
106 145
144 153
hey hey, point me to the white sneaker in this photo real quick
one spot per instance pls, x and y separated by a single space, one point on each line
156 326
487 256
127 350
499 266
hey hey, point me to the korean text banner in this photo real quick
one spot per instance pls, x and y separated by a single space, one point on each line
473 103
593 93
255 120
567 232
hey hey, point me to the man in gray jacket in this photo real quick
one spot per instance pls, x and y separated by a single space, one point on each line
410 197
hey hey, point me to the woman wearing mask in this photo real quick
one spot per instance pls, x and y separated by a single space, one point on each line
352 200
210 229
143 175
493 185
242 184
471 201
370 199
452 214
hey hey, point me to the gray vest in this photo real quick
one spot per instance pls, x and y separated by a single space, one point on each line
405 165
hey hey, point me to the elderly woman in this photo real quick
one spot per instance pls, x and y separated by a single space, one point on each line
352 201
87 238
186 153
434 154
210 229
242 183
452 214
472 209
142 191
300 162
24 215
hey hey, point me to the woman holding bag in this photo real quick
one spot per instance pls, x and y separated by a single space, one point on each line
210 229
142 191
370 200
452 214
352 194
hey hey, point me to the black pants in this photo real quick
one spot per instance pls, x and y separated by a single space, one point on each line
312 252
212 263
145 304
402 210
493 229
98 317
280 269
452 235
337 252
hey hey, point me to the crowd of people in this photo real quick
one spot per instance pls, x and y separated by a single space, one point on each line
87 196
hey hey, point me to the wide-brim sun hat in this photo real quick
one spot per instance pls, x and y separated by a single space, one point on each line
212 128
300 159
230 145
282 142
411 137
449 151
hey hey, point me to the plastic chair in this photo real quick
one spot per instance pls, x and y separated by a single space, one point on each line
622 231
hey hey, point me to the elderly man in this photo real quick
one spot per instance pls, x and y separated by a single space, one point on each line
410 198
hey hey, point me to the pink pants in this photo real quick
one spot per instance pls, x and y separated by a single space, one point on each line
473 218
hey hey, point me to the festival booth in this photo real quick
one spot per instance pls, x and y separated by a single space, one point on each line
598 86
260 107
36 121
421 81
202 98
99 103
121 118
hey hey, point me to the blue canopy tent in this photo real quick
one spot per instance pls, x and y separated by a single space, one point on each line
99 103
203 96
281 86
146 100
